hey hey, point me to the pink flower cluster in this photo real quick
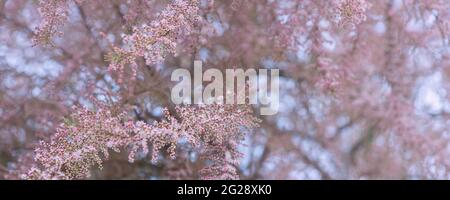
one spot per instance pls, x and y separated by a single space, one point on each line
155 40
78 143
54 14
216 130
83 140
352 12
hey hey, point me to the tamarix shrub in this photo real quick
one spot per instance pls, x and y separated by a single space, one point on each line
360 92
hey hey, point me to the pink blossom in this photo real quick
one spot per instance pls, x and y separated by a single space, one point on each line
85 139
155 40
352 11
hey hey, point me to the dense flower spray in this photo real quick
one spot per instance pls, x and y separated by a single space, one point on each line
78 143
84 140
155 40
54 14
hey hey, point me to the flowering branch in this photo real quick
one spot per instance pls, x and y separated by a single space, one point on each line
155 40
81 142
54 14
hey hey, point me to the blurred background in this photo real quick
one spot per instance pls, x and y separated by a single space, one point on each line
363 84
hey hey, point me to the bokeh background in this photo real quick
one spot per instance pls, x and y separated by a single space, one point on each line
363 84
